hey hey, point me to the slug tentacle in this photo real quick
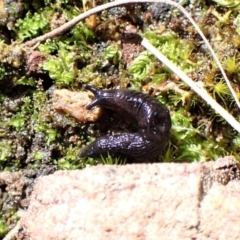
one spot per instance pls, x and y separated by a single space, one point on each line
153 120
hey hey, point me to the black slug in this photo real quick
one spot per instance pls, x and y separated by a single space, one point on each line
152 117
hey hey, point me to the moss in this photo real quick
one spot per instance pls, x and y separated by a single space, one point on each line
109 160
26 81
17 122
34 24
231 64
38 155
3 73
236 144
234 4
112 53
70 160
3 228
222 19
175 48
221 90
141 66
5 150
189 142
61 68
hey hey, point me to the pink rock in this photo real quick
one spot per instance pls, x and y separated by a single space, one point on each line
154 201
138 201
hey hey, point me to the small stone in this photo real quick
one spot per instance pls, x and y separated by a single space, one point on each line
74 103
222 171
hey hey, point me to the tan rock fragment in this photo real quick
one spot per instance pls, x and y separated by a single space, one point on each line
74 103
13 181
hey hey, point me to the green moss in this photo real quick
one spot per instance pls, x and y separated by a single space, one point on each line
112 53
237 23
175 48
236 143
5 150
41 121
234 4
51 134
2 97
221 90
188 143
182 126
49 46
26 81
61 68
57 2
81 33
3 73
110 160
70 160
140 66
17 122
222 19
34 24
231 64
3 228
78 56
37 155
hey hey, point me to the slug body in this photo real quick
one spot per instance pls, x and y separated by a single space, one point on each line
152 117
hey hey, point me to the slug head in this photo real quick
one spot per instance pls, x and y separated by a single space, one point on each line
102 97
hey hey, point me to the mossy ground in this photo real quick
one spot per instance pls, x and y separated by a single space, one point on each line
33 137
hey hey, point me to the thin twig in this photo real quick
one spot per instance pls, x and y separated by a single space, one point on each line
197 88
74 21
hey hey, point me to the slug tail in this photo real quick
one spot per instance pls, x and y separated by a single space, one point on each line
133 146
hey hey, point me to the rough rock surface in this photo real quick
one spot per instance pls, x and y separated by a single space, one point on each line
14 182
142 201
220 212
